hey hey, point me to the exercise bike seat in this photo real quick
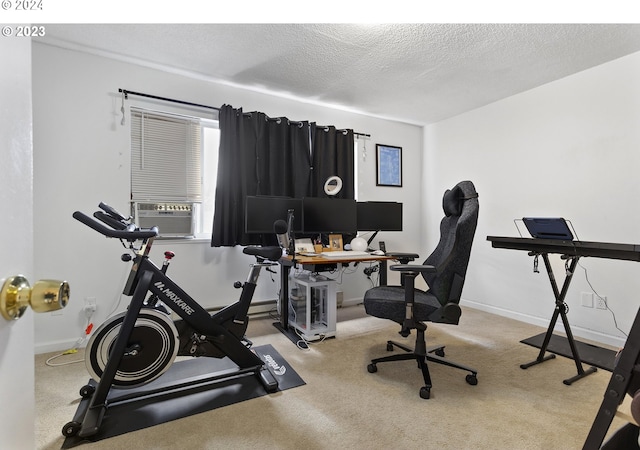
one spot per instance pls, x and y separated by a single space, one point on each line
271 253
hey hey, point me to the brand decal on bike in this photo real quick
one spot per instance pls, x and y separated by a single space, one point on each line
277 369
175 298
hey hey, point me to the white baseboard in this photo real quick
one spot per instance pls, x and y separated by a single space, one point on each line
257 308
351 302
58 346
267 306
578 332
263 307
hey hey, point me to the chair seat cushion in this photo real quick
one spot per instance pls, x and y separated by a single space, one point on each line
387 302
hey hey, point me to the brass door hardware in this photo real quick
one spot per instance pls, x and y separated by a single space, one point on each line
45 296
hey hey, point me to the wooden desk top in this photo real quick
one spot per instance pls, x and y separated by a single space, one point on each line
320 260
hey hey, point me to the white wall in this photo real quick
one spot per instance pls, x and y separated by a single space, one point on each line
81 157
570 149
17 397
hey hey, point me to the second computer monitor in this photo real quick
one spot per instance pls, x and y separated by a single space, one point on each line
379 216
329 215
262 211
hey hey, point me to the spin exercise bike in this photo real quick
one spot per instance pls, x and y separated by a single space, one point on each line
135 347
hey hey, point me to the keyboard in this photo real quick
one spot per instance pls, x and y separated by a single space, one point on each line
345 254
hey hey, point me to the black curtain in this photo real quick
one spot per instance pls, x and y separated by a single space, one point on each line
259 155
283 157
332 155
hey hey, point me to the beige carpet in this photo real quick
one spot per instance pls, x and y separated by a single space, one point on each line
344 406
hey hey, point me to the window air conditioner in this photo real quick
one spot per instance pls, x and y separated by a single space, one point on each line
173 219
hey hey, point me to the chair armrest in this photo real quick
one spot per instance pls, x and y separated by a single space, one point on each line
413 268
449 313
404 258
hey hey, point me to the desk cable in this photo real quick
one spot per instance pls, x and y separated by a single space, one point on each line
586 277
73 350
615 322
306 342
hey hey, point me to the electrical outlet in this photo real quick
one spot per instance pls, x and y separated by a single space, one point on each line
587 299
601 302
90 304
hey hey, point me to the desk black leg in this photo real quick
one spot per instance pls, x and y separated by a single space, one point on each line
574 351
543 350
560 310
283 300
383 273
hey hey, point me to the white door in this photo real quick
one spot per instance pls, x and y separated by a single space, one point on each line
17 396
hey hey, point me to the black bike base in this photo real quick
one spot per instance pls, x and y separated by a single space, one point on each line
145 411
589 354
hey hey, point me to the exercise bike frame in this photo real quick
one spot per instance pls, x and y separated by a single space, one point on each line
146 277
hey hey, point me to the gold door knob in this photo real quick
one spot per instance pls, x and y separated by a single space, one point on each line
14 297
45 296
49 295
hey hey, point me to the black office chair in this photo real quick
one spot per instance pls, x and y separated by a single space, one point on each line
444 271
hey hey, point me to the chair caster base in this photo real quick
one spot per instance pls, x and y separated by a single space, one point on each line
425 392
372 368
389 347
472 379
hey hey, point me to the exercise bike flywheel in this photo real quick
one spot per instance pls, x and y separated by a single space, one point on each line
150 351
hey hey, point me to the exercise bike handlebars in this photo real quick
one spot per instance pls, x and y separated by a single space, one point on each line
109 220
130 235
112 212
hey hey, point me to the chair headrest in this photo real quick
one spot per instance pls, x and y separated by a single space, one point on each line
453 200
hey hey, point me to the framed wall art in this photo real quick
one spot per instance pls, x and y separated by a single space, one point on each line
388 165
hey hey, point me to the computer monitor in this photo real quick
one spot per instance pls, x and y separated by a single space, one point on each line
329 215
379 216
262 211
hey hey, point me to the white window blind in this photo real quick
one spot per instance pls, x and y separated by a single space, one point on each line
165 157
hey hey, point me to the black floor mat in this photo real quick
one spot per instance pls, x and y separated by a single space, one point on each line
589 354
125 416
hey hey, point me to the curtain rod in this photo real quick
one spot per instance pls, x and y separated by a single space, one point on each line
182 102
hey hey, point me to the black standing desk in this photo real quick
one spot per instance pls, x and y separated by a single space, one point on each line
314 264
571 251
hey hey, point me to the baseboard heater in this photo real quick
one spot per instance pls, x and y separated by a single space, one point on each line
256 308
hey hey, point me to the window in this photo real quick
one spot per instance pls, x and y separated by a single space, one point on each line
174 161
210 145
166 157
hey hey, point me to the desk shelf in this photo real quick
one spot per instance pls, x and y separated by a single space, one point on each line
312 306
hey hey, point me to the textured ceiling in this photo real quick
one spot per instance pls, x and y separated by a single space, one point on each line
415 73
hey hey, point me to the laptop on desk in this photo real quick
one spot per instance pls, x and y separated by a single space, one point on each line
548 228
304 245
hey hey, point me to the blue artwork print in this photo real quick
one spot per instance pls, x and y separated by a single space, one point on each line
389 166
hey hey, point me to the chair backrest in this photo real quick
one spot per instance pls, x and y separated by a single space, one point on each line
451 256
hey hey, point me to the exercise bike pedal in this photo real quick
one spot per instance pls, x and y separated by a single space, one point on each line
268 380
